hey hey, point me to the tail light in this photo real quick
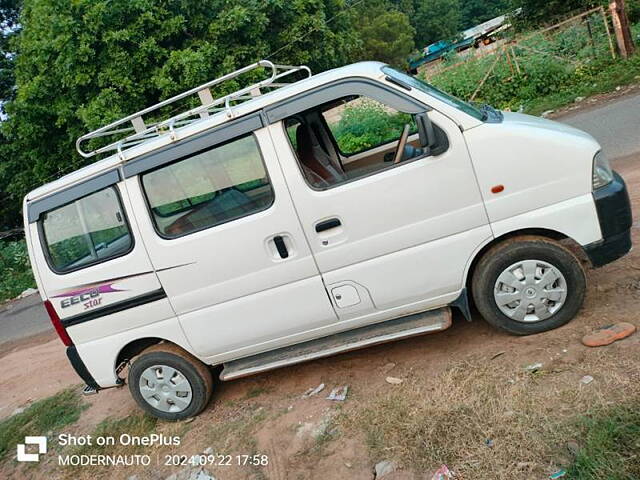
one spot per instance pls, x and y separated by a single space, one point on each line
57 324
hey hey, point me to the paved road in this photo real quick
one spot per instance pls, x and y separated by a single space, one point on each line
23 318
616 125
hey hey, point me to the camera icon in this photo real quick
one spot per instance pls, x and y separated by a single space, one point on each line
23 456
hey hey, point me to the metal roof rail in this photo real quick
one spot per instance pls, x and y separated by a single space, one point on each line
142 131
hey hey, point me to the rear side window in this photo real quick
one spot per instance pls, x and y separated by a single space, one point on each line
87 231
216 186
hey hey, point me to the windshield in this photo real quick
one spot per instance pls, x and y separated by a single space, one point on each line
434 92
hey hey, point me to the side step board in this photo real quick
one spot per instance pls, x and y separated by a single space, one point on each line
404 327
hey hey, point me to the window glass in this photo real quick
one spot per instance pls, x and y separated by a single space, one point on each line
361 123
435 92
213 187
86 231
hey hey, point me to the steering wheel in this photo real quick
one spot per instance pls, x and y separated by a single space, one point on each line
402 143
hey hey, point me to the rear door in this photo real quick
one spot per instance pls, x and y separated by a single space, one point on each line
226 242
93 264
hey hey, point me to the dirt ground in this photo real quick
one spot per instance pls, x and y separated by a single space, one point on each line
461 389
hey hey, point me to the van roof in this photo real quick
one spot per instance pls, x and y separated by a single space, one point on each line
362 69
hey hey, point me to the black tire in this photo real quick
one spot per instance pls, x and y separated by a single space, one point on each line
197 374
502 256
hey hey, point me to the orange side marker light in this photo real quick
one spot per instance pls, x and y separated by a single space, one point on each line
497 188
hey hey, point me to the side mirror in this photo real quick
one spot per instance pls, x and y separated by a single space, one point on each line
426 132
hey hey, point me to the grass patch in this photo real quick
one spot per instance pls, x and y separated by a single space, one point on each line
611 446
237 431
41 417
621 73
15 268
256 391
134 425
527 419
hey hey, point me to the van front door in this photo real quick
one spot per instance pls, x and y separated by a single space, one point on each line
390 236
227 244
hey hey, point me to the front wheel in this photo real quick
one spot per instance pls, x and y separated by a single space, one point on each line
528 285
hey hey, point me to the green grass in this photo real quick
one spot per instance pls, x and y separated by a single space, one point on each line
15 268
621 73
551 73
610 446
133 425
49 414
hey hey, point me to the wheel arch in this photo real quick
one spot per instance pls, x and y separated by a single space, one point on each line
541 232
135 347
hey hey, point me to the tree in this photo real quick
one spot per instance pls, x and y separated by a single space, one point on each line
385 33
432 20
436 20
475 12
535 12
85 63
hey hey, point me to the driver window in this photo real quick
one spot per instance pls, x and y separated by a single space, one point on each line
362 123
350 138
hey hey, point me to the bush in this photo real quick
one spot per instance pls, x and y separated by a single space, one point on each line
16 270
367 125
565 62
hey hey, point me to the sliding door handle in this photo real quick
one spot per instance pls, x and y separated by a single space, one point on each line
278 240
328 225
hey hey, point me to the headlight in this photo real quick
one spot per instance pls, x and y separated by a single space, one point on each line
602 173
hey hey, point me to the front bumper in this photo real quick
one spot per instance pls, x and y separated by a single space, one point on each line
614 214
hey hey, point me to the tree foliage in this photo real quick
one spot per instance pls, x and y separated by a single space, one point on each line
85 63
432 20
474 12
385 32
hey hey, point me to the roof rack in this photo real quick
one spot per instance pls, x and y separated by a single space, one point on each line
139 131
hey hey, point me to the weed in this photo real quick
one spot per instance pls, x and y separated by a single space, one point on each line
41 417
611 445
16 270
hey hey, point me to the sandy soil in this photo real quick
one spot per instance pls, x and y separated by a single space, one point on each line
266 413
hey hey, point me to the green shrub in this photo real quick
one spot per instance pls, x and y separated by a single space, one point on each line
367 125
574 62
15 268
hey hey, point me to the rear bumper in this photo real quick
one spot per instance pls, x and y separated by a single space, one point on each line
80 368
614 214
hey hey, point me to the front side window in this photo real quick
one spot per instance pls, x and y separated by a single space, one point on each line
207 189
362 123
86 231
351 138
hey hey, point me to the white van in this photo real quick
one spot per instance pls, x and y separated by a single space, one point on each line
288 221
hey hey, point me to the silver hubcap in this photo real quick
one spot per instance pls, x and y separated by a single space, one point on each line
530 291
165 388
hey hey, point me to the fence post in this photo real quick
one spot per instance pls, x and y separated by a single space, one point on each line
621 28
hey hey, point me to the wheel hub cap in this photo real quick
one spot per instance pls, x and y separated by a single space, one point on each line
530 291
165 388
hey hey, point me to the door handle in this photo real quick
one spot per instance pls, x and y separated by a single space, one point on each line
328 225
278 240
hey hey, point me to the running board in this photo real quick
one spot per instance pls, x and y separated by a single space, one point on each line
404 327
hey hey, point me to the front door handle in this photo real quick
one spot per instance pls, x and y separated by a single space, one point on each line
278 240
328 224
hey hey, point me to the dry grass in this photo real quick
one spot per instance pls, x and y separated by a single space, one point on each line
528 418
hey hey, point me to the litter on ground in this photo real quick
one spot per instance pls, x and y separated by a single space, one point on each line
313 391
586 380
608 334
443 473
338 394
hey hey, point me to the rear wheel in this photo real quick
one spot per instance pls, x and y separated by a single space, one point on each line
528 285
170 383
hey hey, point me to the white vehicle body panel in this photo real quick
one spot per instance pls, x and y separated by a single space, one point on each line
407 238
